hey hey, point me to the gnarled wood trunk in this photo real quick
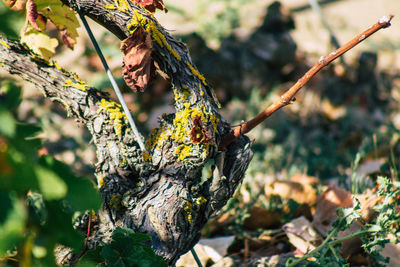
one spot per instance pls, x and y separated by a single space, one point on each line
160 192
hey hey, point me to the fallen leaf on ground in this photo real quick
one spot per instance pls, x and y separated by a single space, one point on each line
327 204
301 234
262 218
304 179
301 193
138 67
368 201
392 251
210 249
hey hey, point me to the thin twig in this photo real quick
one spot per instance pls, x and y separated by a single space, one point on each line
288 96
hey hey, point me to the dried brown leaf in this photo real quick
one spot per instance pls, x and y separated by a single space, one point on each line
301 234
327 204
304 179
301 193
199 133
262 218
32 14
152 5
138 66
68 39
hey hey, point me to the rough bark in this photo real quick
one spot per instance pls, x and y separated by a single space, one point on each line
160 192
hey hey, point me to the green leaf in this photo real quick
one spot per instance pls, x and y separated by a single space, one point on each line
5 205
11 94
63 18
59 228
12 231
82 194
7 123
39 42
129 249
38 212
91 257
51 185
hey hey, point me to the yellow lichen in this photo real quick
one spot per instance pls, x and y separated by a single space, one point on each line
115 202
123 162
199 201
110 6
188 211
100 180
136 21
183 152
146 156
78 85
121 5
196 73
5 44
115 113
181 96
154 138
190 206
181 130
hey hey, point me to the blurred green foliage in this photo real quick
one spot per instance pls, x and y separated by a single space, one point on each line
39 196
214 26
11 22
126 249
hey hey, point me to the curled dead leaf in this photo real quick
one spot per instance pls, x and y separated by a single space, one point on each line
138 66
301 234
151 5
199 133
67 39
32 14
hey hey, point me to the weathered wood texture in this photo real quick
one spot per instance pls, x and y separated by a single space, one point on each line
160 192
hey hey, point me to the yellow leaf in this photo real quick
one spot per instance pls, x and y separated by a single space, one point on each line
63 18
39 42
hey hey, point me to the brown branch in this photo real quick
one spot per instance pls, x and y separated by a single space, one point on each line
288 96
